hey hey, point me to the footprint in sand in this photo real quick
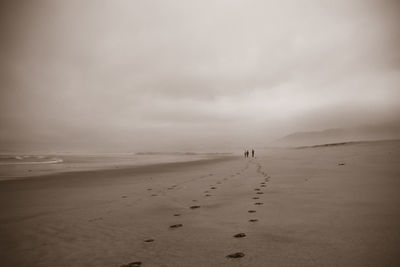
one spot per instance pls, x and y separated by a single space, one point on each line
208 195
263 185
95 219
259 193
177 214
132 264
149 189
253 220
154 195
257 189
213 187
251 211
258 203
218 182
255 197
194 207
149 240
206 191
124 197
236 255
194 200
240 235
176 226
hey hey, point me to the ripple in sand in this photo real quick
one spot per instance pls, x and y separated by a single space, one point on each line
236 255
240 235
132 264
176 225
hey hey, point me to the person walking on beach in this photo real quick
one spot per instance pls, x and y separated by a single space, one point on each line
252 153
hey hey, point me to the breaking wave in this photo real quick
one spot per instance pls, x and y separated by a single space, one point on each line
28 159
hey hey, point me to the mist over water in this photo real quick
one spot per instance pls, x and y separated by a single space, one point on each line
122 76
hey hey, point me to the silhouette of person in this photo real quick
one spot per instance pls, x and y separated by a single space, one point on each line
252 153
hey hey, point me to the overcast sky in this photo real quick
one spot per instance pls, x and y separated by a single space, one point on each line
156 75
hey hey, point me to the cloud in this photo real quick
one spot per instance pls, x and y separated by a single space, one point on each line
211 69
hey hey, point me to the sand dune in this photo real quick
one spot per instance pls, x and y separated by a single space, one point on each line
323 206
341 135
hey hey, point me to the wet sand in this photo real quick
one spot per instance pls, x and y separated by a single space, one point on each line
321 206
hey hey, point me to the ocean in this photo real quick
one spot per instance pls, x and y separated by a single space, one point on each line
14 166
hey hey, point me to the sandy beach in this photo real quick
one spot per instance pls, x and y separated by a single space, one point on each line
128 131
321 206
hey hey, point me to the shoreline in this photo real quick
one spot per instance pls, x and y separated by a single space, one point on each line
336 206
117 169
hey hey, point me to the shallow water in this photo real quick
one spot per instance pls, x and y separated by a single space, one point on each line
17 166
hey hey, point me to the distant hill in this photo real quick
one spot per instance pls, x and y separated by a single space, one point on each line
338 135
